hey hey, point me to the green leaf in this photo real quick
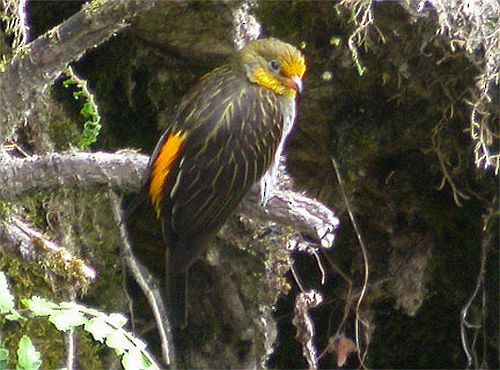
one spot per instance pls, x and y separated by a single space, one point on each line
140 344
119 342
117 320
134 359
71 305
4 358
28 358
69 82
99 328
6 298
88 110
39 306
67 319
14 316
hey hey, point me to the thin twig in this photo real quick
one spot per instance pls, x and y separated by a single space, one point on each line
297 278
147 284
320 267
364 252
348 304
447 115
464 323
69 339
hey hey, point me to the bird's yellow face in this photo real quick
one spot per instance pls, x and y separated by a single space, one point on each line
274 65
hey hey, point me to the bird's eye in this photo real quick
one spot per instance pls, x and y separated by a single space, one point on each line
274 65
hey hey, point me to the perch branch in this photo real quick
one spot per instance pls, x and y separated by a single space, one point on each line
288 207
22 176
123 172
35 65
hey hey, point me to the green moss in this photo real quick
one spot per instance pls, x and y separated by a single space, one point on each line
262 262
96 241
5 209
31 278
90 352
23 51
46 339
27 279
33 208
63 132
52 277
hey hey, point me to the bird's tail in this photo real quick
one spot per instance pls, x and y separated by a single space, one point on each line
137 201
136 205
179 257
177 285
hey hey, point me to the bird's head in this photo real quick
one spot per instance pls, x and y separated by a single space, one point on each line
274 65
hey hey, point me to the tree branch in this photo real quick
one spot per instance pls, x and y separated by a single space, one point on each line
123 172
148 284
289 207
19 237
35 65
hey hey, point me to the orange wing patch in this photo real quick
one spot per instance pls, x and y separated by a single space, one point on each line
169 152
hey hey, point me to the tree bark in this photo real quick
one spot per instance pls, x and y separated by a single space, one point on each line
124 173
33 67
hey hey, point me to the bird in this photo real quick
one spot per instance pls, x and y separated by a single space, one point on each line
226 135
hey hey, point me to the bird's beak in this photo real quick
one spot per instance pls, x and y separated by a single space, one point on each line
296 84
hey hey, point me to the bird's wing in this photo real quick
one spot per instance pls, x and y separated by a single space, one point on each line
233 131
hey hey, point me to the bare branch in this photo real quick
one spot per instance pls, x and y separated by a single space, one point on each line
121 172
148 285
305 326
288 207
40 62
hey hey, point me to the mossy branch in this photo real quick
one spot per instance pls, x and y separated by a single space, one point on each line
123 172
19 237
28 74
